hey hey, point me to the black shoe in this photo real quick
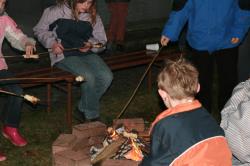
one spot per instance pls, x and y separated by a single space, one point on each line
79 116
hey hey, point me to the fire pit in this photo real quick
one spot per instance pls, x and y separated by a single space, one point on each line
125 143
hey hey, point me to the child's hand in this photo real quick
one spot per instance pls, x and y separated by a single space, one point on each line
164 40
87 46
57 48
29 48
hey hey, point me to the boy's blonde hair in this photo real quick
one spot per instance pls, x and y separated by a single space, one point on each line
179 78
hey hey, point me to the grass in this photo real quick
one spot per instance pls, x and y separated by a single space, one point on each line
42 128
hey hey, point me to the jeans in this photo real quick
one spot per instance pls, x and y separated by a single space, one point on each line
11 113
98 78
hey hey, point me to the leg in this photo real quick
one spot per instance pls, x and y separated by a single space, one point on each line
204 63
122 12
11 113
112 22
98 78
227 61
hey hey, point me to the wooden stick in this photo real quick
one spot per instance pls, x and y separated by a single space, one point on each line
24 78
29 98
138 85
97 45
10 93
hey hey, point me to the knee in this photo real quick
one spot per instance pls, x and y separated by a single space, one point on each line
108 77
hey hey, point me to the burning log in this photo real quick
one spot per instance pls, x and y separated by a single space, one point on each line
108 151
120 144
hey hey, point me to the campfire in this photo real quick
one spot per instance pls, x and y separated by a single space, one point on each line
125 143
120 144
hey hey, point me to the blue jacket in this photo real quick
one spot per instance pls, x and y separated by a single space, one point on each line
211 23
188 136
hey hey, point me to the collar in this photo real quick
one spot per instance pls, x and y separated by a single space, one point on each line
177 109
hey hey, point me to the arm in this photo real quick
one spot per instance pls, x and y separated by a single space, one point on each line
99 35
41 30
17 38
235 121
177 19
242 21
48 38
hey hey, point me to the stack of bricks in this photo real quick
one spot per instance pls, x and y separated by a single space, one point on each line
73 149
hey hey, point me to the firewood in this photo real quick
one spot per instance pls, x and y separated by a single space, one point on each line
108 151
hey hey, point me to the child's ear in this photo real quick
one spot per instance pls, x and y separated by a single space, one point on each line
162 93
198 88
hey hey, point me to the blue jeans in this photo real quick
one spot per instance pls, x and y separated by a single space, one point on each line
98 78
11 113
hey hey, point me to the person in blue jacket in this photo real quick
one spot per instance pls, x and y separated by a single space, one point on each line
215 30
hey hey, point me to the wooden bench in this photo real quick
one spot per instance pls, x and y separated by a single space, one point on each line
54 75
133 59
50 76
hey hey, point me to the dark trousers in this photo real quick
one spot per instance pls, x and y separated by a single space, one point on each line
11 112
117 24
226 64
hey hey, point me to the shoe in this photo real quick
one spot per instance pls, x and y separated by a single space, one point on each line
2 157
79 116
14 136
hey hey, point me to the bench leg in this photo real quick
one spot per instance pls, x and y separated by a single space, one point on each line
69 104
49 97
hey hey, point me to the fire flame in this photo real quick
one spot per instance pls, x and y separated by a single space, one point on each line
114 135
135 153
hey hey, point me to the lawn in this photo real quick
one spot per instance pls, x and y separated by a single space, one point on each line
42 128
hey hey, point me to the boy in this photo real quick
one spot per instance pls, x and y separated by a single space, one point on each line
185 134
11 113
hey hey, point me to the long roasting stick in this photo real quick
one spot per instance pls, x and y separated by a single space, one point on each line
24 78
77 78
36 56
29 98
138 85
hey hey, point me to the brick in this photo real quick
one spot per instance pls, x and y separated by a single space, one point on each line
86 143
111 162
130 124
86 130
63 142
72 158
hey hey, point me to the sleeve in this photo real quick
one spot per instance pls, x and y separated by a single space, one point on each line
159 141
241 24
177 19
235 121
99 35
41 30
15 36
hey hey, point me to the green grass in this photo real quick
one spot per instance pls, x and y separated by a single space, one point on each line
42 128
